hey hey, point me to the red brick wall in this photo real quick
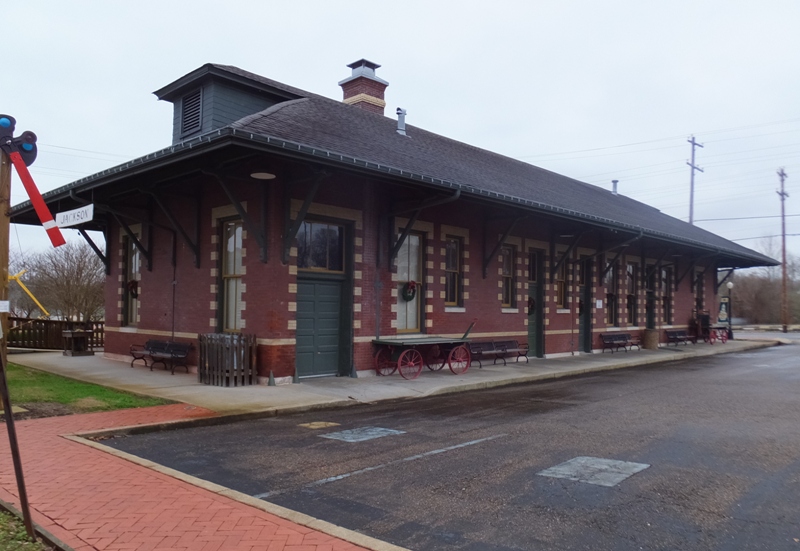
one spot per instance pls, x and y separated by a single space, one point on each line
269 298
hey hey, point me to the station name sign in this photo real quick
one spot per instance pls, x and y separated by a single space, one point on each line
75 217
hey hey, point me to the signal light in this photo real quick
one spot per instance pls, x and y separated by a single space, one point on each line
26 143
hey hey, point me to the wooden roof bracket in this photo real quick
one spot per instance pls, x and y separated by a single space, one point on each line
118 217
656 264
416 210
688 269
136 243
728 274
554 269
102 255
194 246
623 244
492 255
291 230
613 262
257 232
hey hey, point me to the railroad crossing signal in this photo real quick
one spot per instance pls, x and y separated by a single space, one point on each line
22 152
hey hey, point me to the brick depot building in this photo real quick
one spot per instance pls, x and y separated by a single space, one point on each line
308 221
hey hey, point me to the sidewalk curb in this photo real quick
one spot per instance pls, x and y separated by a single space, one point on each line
223 419
302 519
639 362
43 534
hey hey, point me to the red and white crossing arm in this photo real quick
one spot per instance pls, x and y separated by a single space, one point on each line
22 152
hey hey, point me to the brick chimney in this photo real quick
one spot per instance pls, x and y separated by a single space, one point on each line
363 89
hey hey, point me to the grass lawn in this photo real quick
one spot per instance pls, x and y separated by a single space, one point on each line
42 392
13 536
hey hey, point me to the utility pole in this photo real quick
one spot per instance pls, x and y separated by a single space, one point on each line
784 295
691 181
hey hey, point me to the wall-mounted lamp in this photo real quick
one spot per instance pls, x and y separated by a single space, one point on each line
262 175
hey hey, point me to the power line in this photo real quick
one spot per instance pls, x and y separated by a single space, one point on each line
668 138
765 237
744 218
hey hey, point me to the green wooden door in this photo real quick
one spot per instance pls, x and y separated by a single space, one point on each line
319 327
536 303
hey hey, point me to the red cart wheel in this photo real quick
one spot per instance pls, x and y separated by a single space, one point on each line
723 336
410 364
712 336
383 362
459 359
434 358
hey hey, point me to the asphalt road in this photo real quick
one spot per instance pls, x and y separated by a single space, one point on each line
721 437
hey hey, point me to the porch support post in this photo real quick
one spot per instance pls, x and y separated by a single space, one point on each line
291 231
103 256
492 255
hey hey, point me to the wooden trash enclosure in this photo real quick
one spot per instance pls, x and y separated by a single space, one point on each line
227 359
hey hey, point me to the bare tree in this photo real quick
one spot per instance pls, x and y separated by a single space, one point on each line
68 281
757 292
22 306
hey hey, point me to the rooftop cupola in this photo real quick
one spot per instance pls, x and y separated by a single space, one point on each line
363 89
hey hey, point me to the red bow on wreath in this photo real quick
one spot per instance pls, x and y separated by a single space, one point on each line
409 290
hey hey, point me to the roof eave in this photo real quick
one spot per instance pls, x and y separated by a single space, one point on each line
227 135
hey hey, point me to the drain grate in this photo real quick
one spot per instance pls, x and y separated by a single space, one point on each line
361 434
595 470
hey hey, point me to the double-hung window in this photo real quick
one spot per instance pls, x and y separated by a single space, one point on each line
612 295
452 272
231 275
666 294
631 282
507 262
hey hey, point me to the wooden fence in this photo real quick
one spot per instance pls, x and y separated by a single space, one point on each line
47 334
227 359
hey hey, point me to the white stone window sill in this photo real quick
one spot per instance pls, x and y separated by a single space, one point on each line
562 311
455 309
510 310
666 326
613 328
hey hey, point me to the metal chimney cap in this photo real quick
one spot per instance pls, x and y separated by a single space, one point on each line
363 68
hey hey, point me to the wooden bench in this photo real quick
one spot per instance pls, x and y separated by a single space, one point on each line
161 352
498 350
678 336
615 341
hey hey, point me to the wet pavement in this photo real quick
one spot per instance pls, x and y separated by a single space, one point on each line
720 436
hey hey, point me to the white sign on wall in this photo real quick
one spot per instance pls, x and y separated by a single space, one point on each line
75 217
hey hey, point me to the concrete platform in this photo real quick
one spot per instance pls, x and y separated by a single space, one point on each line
342 391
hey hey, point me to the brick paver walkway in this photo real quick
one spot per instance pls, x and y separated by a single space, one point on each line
93 500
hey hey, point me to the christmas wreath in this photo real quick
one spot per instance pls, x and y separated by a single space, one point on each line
133 288
409 290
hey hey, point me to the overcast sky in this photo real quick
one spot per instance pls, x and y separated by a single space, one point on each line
593 90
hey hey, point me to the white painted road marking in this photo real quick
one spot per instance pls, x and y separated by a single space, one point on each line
595 470
361 434
382 466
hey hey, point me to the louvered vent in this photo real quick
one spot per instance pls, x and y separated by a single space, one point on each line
191 116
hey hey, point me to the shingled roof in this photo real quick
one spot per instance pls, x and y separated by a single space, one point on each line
314 125
322 123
